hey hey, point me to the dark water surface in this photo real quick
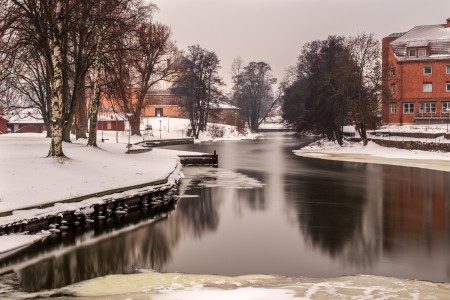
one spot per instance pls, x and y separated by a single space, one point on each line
266 211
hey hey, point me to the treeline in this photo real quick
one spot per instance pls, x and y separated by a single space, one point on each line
65 58
336 82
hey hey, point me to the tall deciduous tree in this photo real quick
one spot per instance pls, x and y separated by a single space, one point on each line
147 57
318 100
199 84
365 51
253 91
56 124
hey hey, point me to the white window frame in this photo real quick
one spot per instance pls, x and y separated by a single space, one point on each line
447 69
427 107
422 52
447 86
424 70
393 88
408 107
412 51
393 108
427 87
445 106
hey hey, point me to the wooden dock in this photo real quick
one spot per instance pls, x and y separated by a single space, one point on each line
211 160
165 142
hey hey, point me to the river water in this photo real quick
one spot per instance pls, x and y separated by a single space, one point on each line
263 211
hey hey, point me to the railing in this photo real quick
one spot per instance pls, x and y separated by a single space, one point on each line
430 115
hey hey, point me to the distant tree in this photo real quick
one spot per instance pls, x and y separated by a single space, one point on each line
318 99
199 84
253 92
365 52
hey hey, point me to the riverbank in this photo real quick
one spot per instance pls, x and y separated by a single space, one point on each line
373 153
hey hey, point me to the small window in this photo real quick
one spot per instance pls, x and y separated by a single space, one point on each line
427 87
394 71
427 70
408 108
422 52
159 112
412 52
393 108
448 69
447 86
446 107
427 107
393 88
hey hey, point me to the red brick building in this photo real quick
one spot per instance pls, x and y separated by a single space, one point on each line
3 122
416 66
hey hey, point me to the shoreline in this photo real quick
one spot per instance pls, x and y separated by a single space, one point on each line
375 154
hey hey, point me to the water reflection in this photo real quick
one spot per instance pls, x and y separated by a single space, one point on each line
268 211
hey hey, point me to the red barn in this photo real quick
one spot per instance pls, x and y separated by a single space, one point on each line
416 65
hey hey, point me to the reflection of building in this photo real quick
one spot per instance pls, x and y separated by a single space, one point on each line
417 69
416 213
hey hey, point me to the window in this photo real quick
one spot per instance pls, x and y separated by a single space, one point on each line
408 108
158 112
422 52
393 108
447 86
427 70
393 88
448 69
393 71
427 87
427 107
445 107
412 52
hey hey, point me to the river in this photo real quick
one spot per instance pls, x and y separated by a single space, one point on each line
263 211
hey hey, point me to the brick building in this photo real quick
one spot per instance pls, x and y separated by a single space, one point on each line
416 68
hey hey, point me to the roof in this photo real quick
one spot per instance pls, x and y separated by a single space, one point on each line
435 37
223 105
26 116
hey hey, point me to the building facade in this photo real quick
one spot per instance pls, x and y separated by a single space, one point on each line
416 70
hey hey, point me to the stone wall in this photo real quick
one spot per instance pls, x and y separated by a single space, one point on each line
413 145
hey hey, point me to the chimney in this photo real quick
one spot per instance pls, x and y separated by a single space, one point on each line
448 23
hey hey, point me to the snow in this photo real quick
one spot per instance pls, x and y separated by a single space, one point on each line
373 153
13 243
171 286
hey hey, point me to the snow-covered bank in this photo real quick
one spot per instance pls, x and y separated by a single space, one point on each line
372 153
28 178
12 243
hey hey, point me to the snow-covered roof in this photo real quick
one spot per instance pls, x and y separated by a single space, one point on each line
224 105
434 37
25 116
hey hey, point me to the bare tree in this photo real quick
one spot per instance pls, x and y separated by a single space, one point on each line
253 92
365 51
200 85
150 56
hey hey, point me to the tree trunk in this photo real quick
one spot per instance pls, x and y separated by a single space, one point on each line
57 86
135 125
82 119
95 103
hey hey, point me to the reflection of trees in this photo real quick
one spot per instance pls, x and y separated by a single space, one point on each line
199 214
332 212
146 247
330 216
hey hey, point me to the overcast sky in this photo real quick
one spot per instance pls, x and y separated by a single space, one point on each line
275 30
